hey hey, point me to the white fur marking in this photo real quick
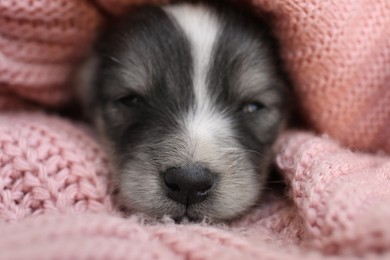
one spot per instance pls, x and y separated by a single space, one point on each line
201 27
204 125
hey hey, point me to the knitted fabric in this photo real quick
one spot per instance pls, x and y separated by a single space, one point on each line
338 56
48 165
54 195
40 41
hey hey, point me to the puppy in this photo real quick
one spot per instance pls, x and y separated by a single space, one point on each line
190 98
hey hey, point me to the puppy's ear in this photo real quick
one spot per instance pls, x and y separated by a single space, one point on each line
83 81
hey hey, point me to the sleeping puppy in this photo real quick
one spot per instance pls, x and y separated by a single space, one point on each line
190 98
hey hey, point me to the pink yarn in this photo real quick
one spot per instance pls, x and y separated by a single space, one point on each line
48 165
106 237
343 197
54 199
338 56
40 42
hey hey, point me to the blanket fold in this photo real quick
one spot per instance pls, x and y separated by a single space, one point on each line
343 197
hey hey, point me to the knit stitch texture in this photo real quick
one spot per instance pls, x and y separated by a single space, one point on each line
54 188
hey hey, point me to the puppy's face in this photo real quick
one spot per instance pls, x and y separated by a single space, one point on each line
191 100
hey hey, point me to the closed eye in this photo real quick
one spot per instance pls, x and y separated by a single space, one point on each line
251 107
131 100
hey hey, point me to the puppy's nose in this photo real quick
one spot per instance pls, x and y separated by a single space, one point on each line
188 184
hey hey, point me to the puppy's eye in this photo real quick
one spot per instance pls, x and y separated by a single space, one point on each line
130 101
252 107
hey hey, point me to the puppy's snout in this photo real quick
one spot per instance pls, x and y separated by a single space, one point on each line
188 184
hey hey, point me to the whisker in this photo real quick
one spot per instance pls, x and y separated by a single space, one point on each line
241 150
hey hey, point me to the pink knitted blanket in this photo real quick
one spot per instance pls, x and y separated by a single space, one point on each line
54 202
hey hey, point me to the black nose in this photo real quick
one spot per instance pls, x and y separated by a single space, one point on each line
188 184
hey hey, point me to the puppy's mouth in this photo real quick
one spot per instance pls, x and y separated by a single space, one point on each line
190 213
186 219
188 186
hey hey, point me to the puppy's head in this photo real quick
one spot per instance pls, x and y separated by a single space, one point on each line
191 99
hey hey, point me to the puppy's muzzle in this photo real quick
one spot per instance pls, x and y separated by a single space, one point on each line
189 184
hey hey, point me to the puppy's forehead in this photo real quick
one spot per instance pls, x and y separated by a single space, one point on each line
230 52
175 44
